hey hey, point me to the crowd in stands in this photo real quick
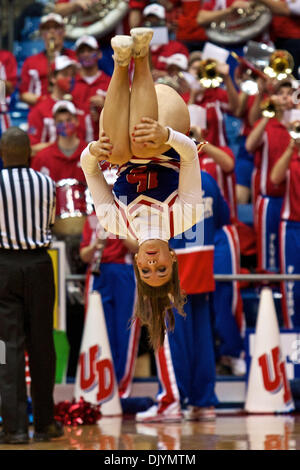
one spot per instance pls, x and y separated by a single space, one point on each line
64 89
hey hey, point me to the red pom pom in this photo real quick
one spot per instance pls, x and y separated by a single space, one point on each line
76 413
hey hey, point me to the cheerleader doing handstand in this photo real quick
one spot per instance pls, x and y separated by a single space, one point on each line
158 192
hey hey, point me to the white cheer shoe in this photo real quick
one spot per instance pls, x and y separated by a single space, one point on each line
141 41
172 414
197 413
123 49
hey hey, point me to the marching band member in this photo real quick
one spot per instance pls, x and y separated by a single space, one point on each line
216 102
287 169
90 85
227 300
42 129
267 141
36 68
285 27
61 159
186 361
154 15
222 10
249 111
8 79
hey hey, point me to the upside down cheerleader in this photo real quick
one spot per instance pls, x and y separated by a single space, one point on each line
158 194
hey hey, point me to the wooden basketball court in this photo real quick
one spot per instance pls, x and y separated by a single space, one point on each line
230 431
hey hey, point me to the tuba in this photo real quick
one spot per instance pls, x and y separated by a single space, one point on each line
207 74
241 25
99 20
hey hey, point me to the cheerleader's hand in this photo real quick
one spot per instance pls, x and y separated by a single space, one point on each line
150 133
102 148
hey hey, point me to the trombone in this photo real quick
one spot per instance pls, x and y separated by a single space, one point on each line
248 84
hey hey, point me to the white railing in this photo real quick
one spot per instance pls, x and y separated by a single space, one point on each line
225 277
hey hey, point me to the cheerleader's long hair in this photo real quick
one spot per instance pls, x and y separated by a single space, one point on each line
154 305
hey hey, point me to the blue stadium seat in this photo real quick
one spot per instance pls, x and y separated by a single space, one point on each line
25 49
245 213
106 63
31 25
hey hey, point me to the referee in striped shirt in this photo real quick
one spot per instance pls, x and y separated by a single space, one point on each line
27 211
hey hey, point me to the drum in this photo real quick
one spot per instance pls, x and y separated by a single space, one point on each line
73 204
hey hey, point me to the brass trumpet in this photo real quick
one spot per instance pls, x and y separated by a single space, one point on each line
268 108
208 75
281 65
247 74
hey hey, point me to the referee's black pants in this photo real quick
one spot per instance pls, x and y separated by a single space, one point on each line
26 322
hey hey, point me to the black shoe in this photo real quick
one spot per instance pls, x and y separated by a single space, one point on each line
20 437
54 429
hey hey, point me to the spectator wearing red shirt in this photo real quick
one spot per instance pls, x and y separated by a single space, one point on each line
36 69
8 75
61 159
224 10
285 27
267 141
249 111
42 129
216 102
91 84
287 168
181 18
154 15
188 29
175 65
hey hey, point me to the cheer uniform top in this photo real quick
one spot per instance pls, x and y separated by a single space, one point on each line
41 122
152 199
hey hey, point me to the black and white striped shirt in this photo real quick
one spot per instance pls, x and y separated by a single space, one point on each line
27 209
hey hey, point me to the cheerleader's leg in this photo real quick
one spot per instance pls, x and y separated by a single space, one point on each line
114 119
